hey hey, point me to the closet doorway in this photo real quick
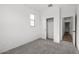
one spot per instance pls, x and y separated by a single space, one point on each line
49 28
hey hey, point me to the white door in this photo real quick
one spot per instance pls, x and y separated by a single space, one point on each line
50 29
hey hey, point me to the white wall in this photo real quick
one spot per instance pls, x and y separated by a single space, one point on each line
77 27
58 12
15 29
52 12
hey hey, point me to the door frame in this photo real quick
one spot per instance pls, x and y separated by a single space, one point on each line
73 31
76 30
51 18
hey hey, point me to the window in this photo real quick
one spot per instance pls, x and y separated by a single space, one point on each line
32 20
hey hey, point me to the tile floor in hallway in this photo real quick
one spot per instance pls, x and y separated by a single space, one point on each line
42 46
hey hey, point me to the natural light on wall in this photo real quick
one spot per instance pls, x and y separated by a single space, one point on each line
32 20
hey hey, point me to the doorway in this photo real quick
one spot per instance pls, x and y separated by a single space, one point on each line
68 29
49 28
67 35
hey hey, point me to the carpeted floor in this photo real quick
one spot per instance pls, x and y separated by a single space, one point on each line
42 46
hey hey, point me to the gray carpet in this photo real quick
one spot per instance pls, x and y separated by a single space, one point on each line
42 46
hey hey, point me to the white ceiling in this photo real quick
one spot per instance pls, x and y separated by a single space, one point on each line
38 7
42 7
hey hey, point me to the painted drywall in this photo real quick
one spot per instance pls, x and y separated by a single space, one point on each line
52 12
77 41
15 29
58 12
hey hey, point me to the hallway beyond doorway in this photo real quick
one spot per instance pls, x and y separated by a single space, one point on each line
67 37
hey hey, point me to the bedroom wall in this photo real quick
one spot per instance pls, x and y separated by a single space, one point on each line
52 12
77 41
15 29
